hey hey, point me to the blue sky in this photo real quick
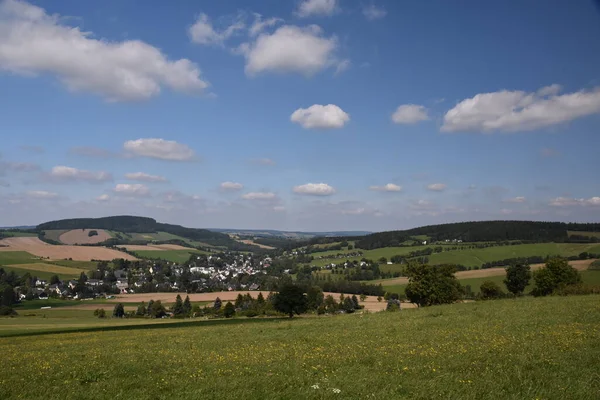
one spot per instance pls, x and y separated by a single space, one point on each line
300 115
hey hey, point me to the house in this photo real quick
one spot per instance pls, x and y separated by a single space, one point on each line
72 284
55 288
43 296
424 242
41 282
93 282
254 286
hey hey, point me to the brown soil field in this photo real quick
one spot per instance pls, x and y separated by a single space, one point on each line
580 265
38 248
370 303
80 236
251 242
154 247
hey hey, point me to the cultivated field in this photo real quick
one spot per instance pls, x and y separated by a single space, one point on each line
178 256
251 242
56 252
154 247
529 348
81 236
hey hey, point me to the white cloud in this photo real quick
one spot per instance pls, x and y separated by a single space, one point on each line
63 173
371 12
41 194
33 42
316 7
314 189
159 148
342 66
103 197
141 176
18 166
132 189
290 49
566 201
320 117
437 187
231 186
390 187
520 111
410 114
259 196
202 31
259 24
519 199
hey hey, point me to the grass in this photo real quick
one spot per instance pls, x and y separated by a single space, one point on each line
587 277
476 257
545 348
17 234
82 265
16 257
44 270
178 256
54 234
582 233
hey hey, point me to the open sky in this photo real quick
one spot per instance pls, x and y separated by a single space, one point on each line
300 115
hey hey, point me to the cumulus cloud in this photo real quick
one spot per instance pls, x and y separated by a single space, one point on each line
512 111
33 42
567 201
41 194
159 148
290 49
371 12
320 117
141 176
437 187
261 24
410 114
203 32
259 196
317 8
518 199
63 173
132 189
314 189
231 186
103 197
390 187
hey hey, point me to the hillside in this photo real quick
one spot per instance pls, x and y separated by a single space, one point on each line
127 225
529 348
484 231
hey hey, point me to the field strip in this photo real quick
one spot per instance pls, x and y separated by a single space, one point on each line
50 268
580 265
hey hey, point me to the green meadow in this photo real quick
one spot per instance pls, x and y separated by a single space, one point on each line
529 348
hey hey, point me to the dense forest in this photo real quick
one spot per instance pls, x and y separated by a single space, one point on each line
481 231
132 224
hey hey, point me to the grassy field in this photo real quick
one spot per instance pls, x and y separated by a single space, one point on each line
546 348
82 265
17 234
178 256
588 277
476 257
22 262
16 257
54 234
589 234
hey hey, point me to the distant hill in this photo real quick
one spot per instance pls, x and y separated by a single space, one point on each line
133 224
483 231
268 233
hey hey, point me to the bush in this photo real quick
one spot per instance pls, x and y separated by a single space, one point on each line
578 289
92 233
229 310
7 311
595 265
490 290
100 313
556 275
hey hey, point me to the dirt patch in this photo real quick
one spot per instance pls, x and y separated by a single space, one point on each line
81 236
38 248
262 246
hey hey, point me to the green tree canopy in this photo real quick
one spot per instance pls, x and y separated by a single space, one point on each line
430 284
557 274
290 300
517 278
229 310
119 311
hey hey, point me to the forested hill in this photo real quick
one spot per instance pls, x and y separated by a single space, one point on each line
480 231
132 224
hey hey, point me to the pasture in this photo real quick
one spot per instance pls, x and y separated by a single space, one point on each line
529 348
81 236
178 256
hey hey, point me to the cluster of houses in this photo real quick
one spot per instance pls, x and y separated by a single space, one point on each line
227 271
